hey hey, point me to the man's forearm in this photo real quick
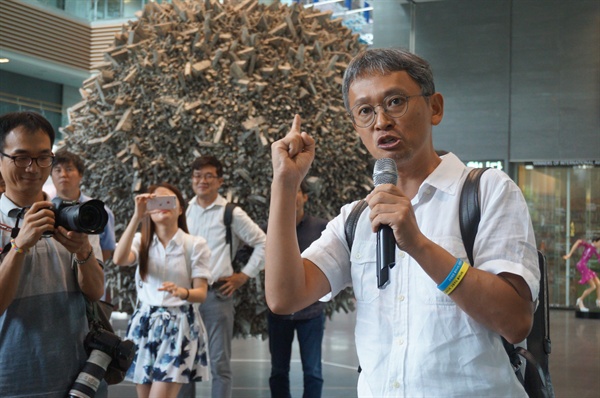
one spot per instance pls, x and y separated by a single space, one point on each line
505 307
284 270
10 273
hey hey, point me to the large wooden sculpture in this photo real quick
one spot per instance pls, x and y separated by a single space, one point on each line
204 77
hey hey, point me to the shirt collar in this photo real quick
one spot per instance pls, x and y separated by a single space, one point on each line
219 201
304 217
83 198
6 205
177 238
446 175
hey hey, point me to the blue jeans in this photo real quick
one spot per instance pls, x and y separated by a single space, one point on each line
310 337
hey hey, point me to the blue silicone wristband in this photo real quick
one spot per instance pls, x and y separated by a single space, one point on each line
444 285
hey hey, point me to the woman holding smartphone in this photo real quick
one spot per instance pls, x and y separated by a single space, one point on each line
172 273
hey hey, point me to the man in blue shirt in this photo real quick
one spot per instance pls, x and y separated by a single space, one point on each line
67 171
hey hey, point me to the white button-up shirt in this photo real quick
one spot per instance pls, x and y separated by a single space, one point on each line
412 340
185 257
209 224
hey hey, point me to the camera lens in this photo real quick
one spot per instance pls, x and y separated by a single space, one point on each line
91 375
89 217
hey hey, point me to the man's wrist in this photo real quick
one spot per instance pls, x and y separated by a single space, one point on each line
85 256
16 247
244 276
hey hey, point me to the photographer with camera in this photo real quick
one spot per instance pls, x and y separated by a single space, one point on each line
173 272
42 308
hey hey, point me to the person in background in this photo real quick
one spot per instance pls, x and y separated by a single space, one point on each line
205 215
67 171
308 323
435 329
587 275
172 273
43 319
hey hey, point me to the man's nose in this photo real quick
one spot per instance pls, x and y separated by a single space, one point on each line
33 166
382 120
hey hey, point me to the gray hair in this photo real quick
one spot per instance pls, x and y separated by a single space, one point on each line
384 61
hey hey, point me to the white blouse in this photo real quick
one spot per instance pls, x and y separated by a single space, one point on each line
185 257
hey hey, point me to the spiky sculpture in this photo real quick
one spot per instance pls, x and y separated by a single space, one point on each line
202 77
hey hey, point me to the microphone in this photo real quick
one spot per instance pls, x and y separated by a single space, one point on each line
385 172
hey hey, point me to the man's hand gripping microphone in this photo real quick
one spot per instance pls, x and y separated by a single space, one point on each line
385 172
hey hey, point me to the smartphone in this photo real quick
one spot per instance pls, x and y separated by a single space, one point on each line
161 203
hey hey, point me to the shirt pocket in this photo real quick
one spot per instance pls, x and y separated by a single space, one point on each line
364 273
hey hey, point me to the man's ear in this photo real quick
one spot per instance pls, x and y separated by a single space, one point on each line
436 102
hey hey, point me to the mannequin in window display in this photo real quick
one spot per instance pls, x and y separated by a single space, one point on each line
587 275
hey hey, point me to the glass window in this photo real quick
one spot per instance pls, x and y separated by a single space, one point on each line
564 203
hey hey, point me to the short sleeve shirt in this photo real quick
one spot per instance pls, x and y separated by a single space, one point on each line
412 340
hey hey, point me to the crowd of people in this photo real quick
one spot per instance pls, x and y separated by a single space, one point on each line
435 330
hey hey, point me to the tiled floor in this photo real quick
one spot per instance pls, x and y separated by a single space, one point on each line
574 362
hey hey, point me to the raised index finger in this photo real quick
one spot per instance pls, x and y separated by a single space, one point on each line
296 124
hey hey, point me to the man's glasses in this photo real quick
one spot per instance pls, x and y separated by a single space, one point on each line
207 177
26 161
363 115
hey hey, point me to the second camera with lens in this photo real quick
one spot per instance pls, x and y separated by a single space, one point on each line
89 217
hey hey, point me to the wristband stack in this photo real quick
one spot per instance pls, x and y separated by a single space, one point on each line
455 276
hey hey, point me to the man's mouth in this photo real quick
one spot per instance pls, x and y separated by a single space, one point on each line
388 142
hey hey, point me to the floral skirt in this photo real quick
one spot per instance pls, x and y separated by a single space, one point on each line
171 345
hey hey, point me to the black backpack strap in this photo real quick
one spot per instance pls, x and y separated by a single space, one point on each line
352 221
350 228
469 211
227 219
469 215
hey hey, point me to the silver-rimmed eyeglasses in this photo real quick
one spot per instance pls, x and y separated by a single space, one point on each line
395 106
26 161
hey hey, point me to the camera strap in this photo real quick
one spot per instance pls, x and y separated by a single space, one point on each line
18 213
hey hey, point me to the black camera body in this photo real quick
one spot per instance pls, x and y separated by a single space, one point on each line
107 354
120 351
89 217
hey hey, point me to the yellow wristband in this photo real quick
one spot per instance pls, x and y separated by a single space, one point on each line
16 248
459 277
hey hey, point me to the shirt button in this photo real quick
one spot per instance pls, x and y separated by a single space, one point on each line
400 341
402 254
357 255
400 298
396 384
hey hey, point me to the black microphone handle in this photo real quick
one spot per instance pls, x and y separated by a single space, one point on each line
386 255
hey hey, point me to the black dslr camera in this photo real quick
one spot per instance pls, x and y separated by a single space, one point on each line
106 352
89 217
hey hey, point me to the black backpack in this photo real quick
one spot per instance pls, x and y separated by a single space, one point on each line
536 380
